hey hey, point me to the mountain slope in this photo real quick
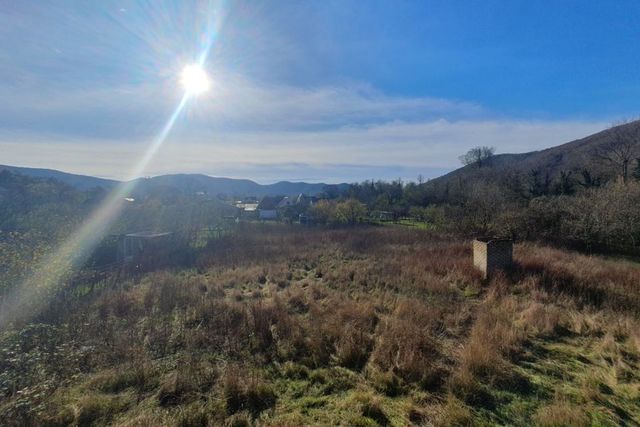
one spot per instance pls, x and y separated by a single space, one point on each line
80 182
575 156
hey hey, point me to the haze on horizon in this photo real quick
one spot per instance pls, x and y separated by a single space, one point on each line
313 91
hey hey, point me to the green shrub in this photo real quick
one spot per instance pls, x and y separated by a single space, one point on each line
336 379
295 371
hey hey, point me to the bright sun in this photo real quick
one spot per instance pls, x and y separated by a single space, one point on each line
194 79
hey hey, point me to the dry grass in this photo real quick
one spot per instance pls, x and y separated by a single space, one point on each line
283 326
407 343
561 414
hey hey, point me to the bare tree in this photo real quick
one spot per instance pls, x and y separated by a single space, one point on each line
477 155
622 148
589 180
636 170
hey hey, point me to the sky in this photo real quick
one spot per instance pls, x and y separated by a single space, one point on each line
330 91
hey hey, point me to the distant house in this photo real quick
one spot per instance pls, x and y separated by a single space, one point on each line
268 207
305 201
249 207
300 200
268 214
286 202
247 210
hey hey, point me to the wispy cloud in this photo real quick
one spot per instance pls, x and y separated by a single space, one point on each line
240 102
318 89
348 153
235 103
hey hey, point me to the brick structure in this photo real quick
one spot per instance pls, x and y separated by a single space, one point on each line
491 254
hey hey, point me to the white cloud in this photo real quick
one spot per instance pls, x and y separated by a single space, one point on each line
352 153
244 128
233 103
241 102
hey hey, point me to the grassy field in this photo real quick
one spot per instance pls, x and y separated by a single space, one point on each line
286 326
406 222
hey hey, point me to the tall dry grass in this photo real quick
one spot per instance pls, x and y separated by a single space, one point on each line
403 310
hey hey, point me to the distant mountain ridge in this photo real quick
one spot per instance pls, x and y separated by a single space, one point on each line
192 183
80 182
187 183
571 157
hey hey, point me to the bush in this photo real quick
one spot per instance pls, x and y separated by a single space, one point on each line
246 392
295 371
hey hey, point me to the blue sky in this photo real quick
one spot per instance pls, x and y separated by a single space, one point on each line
319 91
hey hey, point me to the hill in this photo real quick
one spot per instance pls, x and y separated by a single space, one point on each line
186 183
585 154
192 183
80 182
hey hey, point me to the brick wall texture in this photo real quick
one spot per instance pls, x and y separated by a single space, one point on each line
492 255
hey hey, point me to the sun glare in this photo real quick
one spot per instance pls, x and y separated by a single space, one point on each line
194 79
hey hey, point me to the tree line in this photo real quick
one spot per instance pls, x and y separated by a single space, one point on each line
579 208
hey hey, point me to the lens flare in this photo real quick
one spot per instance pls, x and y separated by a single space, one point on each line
28 298
194 79
57 269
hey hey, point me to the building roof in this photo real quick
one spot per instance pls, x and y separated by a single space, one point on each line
286 201
269 203
247 206
148 234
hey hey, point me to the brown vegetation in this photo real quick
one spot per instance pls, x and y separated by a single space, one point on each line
371 326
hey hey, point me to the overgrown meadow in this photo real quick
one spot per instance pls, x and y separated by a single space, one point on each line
363 326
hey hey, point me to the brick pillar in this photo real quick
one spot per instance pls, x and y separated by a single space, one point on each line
491 254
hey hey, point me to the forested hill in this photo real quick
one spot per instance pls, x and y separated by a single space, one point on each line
186 183
599 155
79 182
592 160
192 183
